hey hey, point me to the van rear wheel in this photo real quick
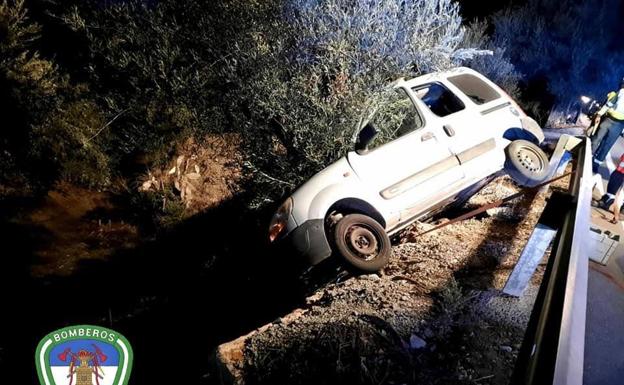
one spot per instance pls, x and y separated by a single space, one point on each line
362 242
526 163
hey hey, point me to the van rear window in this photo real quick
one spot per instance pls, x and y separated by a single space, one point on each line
476 89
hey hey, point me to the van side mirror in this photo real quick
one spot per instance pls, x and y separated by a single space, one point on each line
365 137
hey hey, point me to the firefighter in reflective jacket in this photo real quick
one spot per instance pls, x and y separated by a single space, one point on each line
611 119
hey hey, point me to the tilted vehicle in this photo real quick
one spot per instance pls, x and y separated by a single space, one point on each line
437 140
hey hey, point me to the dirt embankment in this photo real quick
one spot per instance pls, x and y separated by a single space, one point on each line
72 224
200 175
434 315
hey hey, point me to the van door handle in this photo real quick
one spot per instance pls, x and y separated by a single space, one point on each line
427 136
449 130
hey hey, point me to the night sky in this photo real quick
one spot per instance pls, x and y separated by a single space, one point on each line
472 9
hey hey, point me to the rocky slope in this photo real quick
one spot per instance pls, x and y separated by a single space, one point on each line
434 315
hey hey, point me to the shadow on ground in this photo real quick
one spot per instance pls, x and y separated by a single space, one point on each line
210 279
207 281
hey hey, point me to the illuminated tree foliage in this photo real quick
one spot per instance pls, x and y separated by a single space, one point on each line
497 66
48 129
295 77
311 76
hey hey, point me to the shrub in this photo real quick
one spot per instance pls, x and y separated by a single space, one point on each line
16 30
69 140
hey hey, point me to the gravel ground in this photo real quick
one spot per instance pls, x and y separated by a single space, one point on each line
434 315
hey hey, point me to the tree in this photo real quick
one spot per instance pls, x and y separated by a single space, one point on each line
150 64
309 77
573 45
497 67
294 77
47 121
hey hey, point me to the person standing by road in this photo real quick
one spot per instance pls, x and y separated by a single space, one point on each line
611 123
616 181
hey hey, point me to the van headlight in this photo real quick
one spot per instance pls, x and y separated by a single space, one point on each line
280 220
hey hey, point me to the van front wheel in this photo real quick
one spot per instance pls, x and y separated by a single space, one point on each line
362 242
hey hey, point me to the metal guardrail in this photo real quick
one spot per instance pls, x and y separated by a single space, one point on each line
554 344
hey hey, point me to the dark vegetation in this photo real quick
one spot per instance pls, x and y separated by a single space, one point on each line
95 91
109 96
97 88
564 49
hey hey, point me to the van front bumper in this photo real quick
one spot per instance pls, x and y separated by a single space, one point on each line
310 241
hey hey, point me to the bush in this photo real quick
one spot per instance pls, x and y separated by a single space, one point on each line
69 139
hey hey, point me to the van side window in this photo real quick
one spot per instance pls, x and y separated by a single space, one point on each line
396 116
440 100
476 89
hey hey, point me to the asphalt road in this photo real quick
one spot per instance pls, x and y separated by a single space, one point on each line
604 337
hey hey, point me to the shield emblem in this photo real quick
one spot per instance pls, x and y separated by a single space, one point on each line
84 355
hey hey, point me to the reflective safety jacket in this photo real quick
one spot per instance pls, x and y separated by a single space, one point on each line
614 106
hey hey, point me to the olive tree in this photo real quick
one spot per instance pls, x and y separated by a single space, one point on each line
497 66
150 65
295 77
48 129
310 76
572 45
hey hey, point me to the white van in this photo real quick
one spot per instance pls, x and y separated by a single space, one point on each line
437 140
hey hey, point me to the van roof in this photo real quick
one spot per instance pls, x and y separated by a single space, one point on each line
432 76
